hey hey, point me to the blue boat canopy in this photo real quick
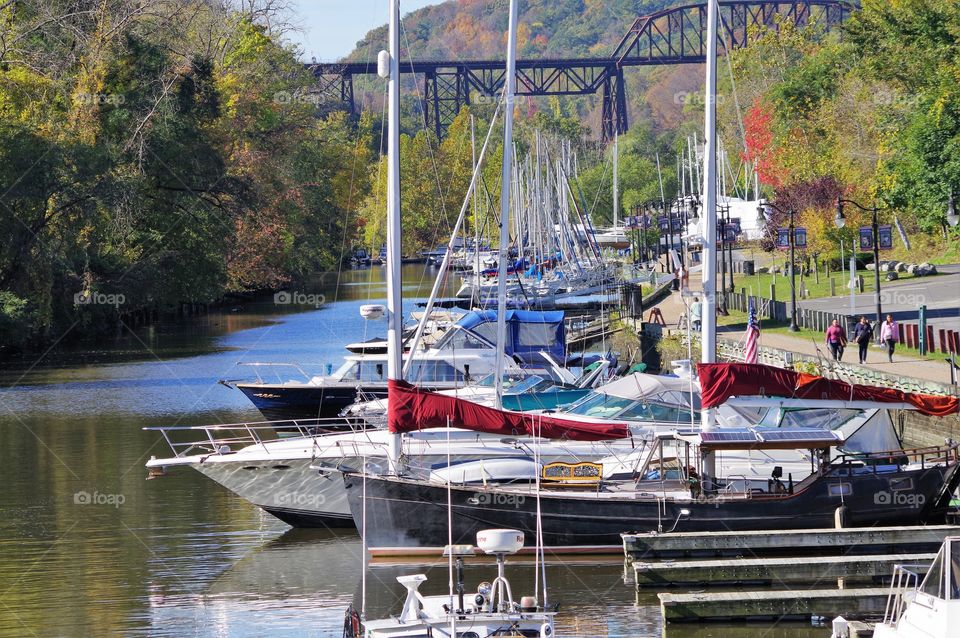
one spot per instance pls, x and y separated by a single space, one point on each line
529 332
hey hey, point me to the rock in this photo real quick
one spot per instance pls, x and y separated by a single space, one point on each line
912 269
892 276
763 270
902 266
925 269
871 266
885 266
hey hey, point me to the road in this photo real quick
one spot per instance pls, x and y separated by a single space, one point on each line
940 294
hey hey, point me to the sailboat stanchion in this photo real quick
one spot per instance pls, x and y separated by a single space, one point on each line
709 314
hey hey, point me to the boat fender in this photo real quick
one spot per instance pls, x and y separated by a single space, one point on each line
528 603
841 517
352 627
546 630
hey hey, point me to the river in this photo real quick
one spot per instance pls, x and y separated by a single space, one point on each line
88 547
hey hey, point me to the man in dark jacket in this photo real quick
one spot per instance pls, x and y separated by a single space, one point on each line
863 335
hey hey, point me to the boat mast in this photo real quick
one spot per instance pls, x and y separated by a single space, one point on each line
505 175
709 264
616 180
394 287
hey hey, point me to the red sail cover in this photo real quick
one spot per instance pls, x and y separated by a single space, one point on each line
720 381
411 408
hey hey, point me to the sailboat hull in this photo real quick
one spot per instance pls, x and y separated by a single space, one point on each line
404 514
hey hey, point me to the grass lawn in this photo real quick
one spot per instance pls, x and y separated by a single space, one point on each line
759 284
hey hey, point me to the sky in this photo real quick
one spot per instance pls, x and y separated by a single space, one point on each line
331 28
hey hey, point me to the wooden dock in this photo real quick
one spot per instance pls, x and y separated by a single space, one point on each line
846 541
773 605
778 571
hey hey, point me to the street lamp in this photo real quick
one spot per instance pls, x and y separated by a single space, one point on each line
762 219
952 218
840 220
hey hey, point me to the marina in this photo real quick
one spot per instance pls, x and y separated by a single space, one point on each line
385 348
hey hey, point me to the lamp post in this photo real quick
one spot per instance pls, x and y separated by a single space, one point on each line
726 210
761 222
952 218
840 221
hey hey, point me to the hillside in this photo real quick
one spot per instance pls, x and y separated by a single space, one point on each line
471 29
461 29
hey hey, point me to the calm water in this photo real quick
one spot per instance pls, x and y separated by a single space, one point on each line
88 547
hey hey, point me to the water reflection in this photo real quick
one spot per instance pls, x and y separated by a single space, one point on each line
90 548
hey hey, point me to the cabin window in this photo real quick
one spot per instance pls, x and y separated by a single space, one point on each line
841 489
372 371
901 484
427 371
537 334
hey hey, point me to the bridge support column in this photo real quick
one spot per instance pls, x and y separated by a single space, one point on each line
614 113
445 93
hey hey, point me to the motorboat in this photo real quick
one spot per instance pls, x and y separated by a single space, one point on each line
463 354
924 600
491 610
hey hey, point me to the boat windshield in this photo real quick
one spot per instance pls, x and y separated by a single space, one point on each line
477 338
943 578
603 405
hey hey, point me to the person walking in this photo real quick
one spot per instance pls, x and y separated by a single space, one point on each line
863 335
696 310
836 339
890 335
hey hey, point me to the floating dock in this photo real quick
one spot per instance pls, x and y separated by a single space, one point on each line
777 571
824 541
773 605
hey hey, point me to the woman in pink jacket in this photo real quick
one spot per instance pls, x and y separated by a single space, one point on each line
890 335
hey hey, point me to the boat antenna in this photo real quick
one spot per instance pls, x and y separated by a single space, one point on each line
388 63
709 341
510 87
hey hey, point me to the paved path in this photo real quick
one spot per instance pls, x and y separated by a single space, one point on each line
933 369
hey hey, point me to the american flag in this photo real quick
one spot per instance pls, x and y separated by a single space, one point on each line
753 334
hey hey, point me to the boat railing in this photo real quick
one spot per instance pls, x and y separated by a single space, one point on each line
906 580
275 366
225 438
933 455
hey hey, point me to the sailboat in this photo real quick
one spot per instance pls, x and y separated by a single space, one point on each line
577 507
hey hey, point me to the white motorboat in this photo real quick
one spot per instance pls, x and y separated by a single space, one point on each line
924 601
490 611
